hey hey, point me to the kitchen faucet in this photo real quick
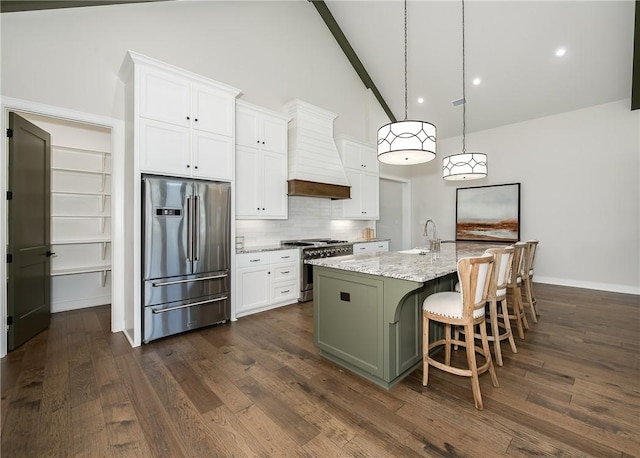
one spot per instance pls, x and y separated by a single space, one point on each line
426 228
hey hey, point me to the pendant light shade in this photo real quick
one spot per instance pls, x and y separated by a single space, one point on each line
406 142
464 166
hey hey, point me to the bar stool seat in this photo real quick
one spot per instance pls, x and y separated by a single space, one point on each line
466 309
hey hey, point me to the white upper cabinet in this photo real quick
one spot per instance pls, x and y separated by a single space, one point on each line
261 163
185 122
361 167
257 129
357 155
212 110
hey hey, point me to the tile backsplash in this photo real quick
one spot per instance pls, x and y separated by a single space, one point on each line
309 217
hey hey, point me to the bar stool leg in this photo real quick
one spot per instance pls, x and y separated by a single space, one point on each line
471 361
504 308
425 350
493 313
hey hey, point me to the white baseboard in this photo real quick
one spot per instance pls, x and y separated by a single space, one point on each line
66 306
611 287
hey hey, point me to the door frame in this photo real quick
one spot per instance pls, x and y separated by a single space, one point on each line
117 201
406 208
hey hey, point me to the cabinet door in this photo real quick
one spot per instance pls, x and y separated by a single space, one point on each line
253 288
212 156
369 193
350 152
248 182
275 185
274 135
164 148
247 126
212 110
369 159
165 97
351 207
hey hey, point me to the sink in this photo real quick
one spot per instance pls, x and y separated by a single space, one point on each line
415 251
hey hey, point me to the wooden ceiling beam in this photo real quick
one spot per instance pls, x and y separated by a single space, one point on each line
337 33
12 6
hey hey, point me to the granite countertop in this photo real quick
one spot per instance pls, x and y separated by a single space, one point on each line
406 266
277 247
258 249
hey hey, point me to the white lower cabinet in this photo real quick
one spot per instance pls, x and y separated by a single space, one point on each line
266 280
370 247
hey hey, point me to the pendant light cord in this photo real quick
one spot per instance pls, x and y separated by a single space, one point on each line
405 60
464 95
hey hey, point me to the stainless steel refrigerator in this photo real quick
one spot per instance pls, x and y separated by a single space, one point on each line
186 255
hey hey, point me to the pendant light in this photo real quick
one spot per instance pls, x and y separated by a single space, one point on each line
406 142
464 166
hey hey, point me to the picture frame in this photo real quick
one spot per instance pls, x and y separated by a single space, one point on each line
488 213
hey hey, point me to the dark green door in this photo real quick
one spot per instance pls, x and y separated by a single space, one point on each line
29 269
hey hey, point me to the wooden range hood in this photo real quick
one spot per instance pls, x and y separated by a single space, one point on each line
314 189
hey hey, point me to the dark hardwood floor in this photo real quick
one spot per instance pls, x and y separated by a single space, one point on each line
257 387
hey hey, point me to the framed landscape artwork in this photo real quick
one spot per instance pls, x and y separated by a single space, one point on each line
488 213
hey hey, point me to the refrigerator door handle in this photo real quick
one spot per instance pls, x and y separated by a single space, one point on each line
189 229
223 298
196 229
177 282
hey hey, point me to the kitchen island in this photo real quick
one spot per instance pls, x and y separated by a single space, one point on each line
367 307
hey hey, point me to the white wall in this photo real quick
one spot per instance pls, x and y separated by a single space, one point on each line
580 192
273 51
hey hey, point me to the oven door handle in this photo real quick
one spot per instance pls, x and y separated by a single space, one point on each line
171 309
177 282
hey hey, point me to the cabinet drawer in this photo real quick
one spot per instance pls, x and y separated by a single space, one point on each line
284 256
284 272
252 259
284 292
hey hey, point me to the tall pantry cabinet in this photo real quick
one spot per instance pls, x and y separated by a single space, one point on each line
178 124
261 163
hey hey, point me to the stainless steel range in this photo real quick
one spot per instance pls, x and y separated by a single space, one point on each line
314 249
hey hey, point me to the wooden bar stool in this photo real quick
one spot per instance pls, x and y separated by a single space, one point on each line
527 277
514 288
466 309
500 323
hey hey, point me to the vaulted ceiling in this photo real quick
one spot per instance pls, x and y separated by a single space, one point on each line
510 47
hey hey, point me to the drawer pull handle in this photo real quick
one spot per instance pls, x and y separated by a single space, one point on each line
285 257
223 298
286 272
286 291
167 283
254 260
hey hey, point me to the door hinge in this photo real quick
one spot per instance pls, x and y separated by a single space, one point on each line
9 133
9 320
9 258
9 195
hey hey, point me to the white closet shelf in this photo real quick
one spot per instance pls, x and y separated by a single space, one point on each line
90 172
82 193
79 150
80 270
78 216
80 241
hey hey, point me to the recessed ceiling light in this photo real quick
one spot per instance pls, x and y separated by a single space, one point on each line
420 100
560 52
476 81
